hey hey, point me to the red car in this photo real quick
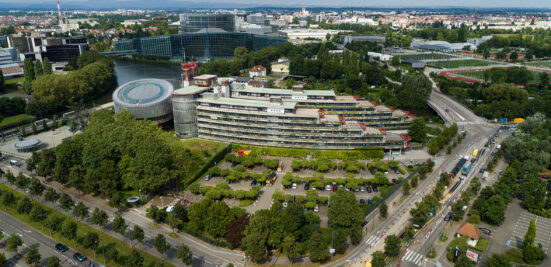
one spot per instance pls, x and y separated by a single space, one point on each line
335 188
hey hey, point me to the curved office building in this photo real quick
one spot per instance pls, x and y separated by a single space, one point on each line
146 99
195 45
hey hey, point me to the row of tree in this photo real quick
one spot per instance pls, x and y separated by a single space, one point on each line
443 139
11 106
34 70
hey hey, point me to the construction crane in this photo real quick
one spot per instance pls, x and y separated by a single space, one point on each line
59 17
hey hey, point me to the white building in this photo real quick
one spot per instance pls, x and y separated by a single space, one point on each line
257 70
382 57
309 33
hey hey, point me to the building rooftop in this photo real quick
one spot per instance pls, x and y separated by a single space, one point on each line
191 89
205 77
276 91
470 231
143 91
245 102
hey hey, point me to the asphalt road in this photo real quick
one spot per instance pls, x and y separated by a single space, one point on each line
204 254
33 238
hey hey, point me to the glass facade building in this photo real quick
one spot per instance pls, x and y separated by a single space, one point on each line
196 22
195 45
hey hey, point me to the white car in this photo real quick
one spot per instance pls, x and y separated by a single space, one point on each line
328 188
317 208
285 204
294 186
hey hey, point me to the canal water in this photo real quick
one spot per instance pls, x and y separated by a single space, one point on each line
129 70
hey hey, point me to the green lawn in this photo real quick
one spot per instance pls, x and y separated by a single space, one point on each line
108 240
479 75
14 119
453 64
11 85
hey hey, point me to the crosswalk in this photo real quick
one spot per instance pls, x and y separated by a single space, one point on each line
413 257
372 240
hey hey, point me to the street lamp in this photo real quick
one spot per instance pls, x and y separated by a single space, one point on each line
162 203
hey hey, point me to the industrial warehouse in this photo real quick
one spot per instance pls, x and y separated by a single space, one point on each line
217 109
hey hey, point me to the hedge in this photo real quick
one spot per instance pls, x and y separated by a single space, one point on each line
358 153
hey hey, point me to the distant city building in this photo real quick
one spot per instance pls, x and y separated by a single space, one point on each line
196 22
382 57
195 45
257 18
3 40
308 33
55 49
8 56
373 38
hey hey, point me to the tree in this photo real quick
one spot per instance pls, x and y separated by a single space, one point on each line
417 130
339 241
51 195
530 236
10 178
161 244
291 248
180 212
54 222
47 66
134 259
28 69
173 221
383 209
24 206
392 245
33 256
66 202
36 187
13 242
99 217
463 261
414 181
53 262
345 211
90 240
8 198
137 234
318 247
255 236
3 259
184 253
119 225
406 187
475 185
69 230
80 211
378 259
498 260
38 68
38 213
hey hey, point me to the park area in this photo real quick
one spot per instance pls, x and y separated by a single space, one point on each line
539 64
479 76
425 56
454 64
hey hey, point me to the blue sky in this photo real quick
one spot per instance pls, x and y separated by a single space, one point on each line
283 3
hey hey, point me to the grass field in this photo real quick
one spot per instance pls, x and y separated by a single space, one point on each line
83 229
425 56
539 64
14 119
11 85
454 64
204 147
479 75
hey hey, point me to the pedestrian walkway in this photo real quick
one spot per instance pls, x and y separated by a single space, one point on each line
372 240
413 257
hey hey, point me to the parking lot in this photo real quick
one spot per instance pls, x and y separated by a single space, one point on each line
543 230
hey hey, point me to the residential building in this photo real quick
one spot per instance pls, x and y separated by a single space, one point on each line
470 231
257 70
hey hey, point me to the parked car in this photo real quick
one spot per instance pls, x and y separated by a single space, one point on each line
369 202
314 187
357 189
386 172
253 182
362 188
362 201
208 177
368 189
306 187
395 181
317 208
250 167
285 204
485 231
448 216
294 186
61 247
335 188
375 189
234 164
328 188
79 257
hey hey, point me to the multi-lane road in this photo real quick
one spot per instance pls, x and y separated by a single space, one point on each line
478 134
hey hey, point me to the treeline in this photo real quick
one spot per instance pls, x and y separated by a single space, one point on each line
536 42
498 100
428 206
443 139
52 93
117 153
11 106
514 75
